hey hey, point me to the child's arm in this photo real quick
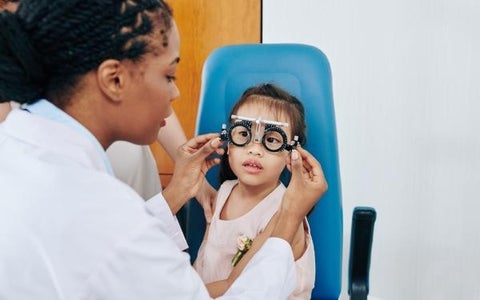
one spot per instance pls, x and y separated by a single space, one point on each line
218 288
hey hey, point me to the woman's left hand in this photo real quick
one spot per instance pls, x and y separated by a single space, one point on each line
193 160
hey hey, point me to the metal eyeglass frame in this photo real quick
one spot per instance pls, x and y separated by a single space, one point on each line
226 135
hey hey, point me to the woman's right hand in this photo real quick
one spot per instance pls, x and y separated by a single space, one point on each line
306 186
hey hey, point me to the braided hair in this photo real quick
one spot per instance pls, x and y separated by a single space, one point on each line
279 101
48 45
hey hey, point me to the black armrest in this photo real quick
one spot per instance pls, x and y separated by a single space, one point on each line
361 240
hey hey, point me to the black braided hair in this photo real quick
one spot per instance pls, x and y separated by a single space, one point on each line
280 101
47 45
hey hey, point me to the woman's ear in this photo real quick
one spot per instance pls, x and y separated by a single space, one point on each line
111 77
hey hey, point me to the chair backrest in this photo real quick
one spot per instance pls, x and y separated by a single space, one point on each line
303 71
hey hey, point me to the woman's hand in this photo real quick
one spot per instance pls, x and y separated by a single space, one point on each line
306 186
193 160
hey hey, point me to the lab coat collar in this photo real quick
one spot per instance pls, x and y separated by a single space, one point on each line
44 125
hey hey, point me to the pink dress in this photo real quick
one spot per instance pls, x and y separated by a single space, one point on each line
214 258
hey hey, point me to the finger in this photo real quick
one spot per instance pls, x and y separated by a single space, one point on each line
312 166
200 140
288 163
210 163
220 151
308 160
211 147
296 164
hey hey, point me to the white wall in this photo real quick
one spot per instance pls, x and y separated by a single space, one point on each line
406 80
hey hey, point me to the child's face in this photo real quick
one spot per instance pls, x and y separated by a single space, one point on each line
253 164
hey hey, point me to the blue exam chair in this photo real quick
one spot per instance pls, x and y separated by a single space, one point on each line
304 71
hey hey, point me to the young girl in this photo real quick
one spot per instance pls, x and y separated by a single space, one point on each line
263 125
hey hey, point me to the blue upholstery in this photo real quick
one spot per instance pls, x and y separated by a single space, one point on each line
304 71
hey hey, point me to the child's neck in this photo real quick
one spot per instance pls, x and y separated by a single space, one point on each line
244 198
254 193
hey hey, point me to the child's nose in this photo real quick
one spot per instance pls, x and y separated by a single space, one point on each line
255 148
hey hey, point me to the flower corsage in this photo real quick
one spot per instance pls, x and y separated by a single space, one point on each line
244 243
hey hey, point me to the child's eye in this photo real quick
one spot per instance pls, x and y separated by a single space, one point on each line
171 78
272 140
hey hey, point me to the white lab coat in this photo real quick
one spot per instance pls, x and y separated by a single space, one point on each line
70 230
135 165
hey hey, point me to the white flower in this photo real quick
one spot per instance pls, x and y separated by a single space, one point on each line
242 242
243 245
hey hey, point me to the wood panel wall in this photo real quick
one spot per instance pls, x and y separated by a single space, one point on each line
204 25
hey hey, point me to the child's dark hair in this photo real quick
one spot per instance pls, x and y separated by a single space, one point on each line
47 45
279 101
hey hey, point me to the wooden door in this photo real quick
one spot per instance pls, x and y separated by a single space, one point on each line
204 25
